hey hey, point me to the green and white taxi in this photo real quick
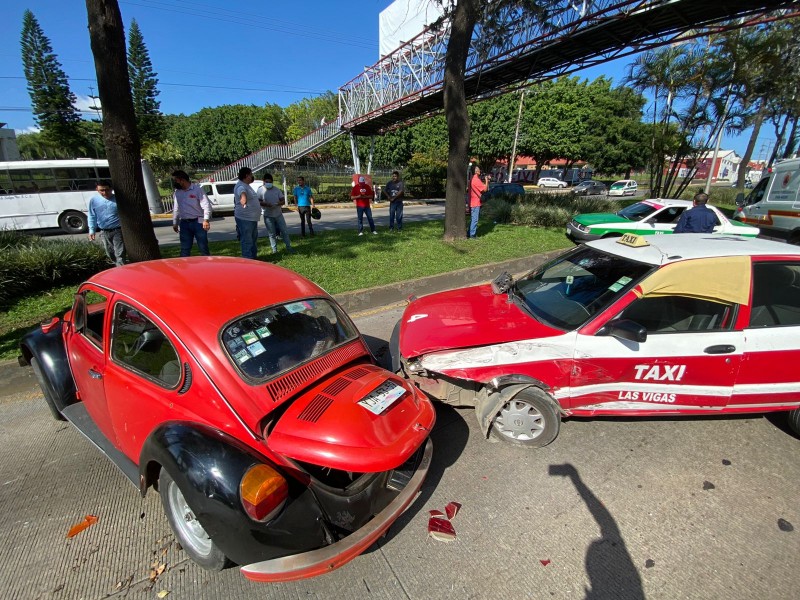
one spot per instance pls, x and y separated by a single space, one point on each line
648 217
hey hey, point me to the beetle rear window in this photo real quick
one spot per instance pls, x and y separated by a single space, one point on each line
282 337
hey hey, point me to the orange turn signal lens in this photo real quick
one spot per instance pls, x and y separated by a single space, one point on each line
264 492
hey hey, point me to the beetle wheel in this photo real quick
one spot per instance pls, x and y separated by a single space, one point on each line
528 419
187 528
47 390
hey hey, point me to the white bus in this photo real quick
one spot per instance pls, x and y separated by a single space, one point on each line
37 194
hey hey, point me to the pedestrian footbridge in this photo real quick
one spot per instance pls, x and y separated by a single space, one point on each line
408 84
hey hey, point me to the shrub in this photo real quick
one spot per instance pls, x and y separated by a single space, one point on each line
498 209
34 265
555 210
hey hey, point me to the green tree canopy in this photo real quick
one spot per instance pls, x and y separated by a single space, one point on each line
144 88
52 100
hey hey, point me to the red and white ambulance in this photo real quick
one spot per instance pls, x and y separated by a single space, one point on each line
688 324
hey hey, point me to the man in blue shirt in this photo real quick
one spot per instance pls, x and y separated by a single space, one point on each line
103 217
305 202
699 218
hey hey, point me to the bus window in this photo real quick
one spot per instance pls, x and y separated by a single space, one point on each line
103 173
75 179
22 182
5 183
43 180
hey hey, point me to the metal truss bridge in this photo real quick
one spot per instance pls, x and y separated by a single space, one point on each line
409 83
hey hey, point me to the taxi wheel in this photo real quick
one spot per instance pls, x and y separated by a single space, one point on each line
190 533
529 419
794 420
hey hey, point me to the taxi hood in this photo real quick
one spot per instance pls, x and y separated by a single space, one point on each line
464 318
589 219
363 419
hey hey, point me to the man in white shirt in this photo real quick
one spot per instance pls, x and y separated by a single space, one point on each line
272 199
191 214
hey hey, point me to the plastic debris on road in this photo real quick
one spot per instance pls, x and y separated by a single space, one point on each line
87 522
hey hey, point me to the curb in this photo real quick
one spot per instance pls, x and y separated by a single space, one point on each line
357 301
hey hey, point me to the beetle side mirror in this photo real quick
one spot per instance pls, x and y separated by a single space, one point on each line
502 283
625 329
739 199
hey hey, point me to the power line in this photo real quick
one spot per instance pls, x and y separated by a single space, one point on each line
195 85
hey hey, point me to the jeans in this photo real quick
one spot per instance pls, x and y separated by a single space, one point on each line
114 246
361 212
248 237
396 213
274 226
190 230
474 213
305 216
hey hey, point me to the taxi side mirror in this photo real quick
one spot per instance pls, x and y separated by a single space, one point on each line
739 199
625 329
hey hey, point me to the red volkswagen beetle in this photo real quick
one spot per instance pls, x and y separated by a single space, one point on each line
245 395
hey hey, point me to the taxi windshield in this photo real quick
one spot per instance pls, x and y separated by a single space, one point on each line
279 338
637 212
568 291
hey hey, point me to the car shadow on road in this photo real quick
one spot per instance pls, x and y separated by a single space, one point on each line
611 571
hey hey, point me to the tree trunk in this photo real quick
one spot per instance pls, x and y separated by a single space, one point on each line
463 21
120 136
751 145
780 130
791 141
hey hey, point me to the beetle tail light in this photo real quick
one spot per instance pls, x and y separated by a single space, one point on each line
263 491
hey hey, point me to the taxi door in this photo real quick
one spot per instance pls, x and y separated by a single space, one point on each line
688 362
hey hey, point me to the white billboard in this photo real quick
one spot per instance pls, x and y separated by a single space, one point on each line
402 20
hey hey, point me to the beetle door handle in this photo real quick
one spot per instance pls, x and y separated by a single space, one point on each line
720 349
95 374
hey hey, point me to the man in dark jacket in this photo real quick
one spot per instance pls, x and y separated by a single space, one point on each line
699 218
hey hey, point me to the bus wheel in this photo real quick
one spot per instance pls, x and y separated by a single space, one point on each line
73 221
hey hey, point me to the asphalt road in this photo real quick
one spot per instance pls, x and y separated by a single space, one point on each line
223 228
613 509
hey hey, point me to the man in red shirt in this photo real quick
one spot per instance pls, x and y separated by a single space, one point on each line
362 195
476 187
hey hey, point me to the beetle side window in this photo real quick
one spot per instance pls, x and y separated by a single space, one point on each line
137 343
776 295
679 314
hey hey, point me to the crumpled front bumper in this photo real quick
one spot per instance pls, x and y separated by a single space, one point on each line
324 560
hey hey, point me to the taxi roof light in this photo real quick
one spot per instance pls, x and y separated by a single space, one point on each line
632 240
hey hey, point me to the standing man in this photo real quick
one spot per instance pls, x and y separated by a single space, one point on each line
394 191
191 213
362 195
476 187
271 200
305 202
699 218
246 212
103 217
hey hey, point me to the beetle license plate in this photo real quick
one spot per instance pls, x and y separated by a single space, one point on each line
382 397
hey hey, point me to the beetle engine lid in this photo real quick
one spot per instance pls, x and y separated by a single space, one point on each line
364 419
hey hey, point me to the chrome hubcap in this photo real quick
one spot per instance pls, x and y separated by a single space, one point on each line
191 531
520 421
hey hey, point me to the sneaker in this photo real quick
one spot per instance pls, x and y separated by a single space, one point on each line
374 233
360 233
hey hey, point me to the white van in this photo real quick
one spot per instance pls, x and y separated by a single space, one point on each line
220 193
623 187
774 204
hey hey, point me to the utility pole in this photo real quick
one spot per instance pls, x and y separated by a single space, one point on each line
516 137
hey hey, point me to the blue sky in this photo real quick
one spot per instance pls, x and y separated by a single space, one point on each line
210 53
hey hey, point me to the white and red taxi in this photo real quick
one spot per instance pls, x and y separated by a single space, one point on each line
688 324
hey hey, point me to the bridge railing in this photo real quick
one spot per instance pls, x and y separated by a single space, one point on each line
416 68
280 152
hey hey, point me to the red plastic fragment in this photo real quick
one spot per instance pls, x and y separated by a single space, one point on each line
441 529
544 561
437 514
76 529
452 509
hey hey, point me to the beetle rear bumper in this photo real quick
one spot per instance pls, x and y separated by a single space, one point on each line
323 560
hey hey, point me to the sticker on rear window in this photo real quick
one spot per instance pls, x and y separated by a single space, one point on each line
382 397
255 349
250 337
241 356
263 332
297 307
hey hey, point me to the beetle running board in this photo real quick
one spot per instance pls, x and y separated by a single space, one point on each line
77 415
